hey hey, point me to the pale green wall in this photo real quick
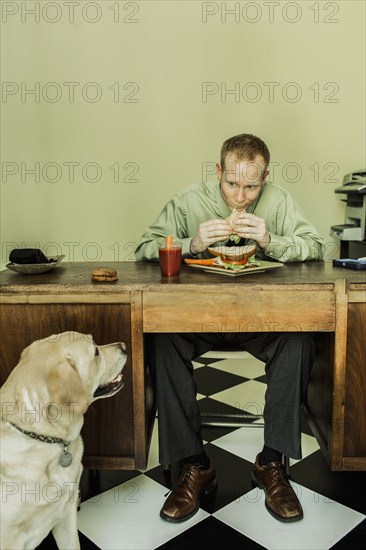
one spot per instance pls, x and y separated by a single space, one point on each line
166 51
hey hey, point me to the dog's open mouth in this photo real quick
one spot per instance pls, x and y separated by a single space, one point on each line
110 387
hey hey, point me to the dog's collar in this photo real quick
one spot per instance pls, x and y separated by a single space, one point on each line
65 458
40 437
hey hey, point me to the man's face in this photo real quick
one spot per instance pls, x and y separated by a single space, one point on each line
241 180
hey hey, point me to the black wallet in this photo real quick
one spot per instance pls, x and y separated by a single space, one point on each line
28 256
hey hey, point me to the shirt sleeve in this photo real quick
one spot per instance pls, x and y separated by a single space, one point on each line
171 221
294 239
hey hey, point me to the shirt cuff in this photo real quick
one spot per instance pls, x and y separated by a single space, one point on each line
275 248
186 250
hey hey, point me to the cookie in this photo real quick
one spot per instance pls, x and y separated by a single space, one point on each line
104 275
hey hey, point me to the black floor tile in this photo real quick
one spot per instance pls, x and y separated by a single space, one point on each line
166 477
355 540
94 482
206 360
233 478
262 379
210 433
87 544
347 488
216 411
211 534
49 543
210 381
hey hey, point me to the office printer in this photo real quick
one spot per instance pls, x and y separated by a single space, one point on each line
354 189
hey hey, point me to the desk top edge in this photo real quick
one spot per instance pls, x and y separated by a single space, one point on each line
74 278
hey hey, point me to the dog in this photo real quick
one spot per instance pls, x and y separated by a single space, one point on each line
43 402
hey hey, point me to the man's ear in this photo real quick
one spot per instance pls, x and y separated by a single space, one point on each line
219 171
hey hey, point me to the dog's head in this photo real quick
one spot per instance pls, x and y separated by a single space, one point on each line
63 372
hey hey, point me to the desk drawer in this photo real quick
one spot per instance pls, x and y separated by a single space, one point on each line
253 311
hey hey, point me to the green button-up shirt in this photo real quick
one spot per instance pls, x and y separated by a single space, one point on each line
293 238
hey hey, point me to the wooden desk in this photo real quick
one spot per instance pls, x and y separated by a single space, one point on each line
314 297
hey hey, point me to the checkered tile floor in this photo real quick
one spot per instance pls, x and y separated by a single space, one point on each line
120 510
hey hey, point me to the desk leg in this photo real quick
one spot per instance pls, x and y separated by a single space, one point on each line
141 440
340 358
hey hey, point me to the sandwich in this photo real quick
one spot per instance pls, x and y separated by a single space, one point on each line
234 257
233 236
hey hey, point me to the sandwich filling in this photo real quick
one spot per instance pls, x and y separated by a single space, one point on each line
235 257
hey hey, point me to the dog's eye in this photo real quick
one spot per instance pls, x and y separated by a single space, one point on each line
96 351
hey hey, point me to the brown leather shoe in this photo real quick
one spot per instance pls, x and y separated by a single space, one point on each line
281 500
184 500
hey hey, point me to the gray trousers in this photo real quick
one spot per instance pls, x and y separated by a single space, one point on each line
288 358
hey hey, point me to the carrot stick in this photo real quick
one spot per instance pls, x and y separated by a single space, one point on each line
209 261
168 241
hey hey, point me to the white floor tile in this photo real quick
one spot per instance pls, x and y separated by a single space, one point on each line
197 365
248 396
248 442
309 445
127 517
250 367
243 442
325 521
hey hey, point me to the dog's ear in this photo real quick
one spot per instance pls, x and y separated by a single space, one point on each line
66 388
71 360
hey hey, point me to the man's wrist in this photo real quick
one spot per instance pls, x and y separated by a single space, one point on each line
197 247
267 242
191 250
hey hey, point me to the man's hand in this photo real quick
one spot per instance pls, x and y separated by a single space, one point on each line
209 233
252 227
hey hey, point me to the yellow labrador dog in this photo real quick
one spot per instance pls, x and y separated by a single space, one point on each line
42 405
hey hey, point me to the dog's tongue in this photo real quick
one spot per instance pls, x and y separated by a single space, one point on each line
108 386
117 379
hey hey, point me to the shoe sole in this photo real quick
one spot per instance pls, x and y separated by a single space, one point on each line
257 483
208 489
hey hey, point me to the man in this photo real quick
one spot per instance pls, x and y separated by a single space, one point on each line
197 217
